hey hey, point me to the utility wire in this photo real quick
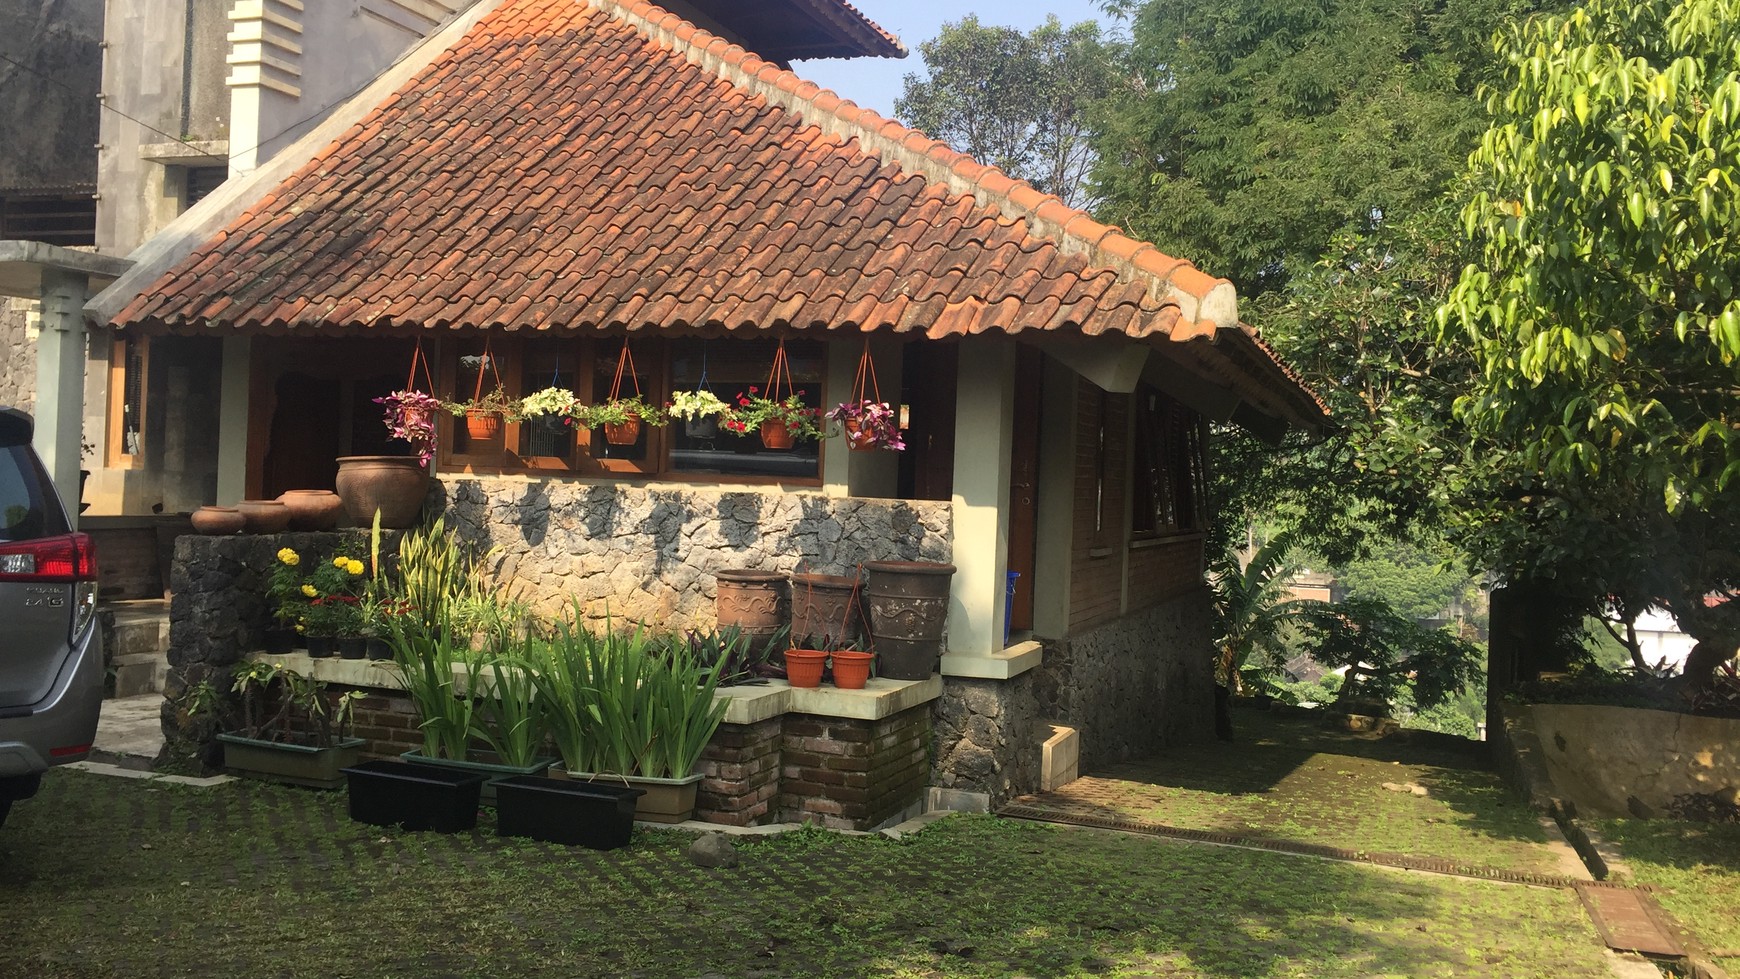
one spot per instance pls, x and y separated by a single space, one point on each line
233 153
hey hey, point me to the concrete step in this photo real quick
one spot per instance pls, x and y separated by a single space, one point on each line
139 673
137 645
130 732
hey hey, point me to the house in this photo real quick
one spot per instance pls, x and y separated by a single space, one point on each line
541 185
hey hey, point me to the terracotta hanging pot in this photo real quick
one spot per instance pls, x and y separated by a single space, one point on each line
482 426
909 609
264 516
803 667
774 434
218 521
859 439
312 509
395 485
623 433
852 669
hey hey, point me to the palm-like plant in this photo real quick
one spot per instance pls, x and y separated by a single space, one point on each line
1251 608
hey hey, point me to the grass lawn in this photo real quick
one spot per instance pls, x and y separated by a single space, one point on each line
1696 870
105 877
1285 777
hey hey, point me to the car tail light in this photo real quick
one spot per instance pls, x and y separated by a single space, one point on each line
68 557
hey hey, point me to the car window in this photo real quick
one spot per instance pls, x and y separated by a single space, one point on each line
27 508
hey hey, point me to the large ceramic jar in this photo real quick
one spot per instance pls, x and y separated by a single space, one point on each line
312 509
824 605
753 601
909 609
264 516
395 485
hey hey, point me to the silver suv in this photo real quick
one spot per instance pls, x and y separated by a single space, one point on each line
51 659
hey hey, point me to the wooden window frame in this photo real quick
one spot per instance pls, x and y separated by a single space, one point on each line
115 454
1167 438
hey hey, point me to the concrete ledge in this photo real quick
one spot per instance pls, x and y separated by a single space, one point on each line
938 799
1059 756
749 704
1011 662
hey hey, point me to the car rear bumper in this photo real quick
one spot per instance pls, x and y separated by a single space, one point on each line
59 728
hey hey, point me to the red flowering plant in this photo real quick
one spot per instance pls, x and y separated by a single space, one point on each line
753 410
410 416
869 424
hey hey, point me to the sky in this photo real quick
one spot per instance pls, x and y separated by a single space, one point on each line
876 82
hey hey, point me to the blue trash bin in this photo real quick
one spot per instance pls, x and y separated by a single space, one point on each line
1009 606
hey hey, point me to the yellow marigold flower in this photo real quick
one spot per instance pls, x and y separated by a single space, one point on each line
289 557
301 628
355 567
340 561
309 591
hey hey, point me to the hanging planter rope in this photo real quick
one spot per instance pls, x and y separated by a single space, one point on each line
627 431
482 423
776 432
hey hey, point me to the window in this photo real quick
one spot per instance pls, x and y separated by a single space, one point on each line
1169 491
129 359
695 449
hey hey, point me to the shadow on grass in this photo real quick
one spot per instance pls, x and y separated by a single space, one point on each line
118 878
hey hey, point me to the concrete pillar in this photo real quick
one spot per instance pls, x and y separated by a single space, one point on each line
60 382
1056 531
232 477
984 434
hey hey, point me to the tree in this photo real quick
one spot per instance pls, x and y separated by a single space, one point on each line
1020 102
1385 653
1253 132
1603 311
1251 608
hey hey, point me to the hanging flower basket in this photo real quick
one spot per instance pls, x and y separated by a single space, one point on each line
867 420
623 432
410 413
775 434
620 417
780 420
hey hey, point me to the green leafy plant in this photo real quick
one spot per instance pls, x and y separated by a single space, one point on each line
426 658
618 411
494 402
276 703
691 405
435 573
509 715
754 410
284 588
555 401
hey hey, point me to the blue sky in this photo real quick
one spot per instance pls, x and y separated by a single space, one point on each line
876 82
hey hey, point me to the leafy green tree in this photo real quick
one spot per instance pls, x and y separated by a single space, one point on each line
1386 653
1251 609
1253 132
1021 102
1415 581
1603 311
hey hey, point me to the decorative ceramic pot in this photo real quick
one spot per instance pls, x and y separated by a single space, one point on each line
312 509
264 516
753 601
852 669
909 608
396 485
622 433
824 605
774 435
803 667
483 426
218 521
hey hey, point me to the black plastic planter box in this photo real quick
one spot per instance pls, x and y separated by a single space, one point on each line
388 793
564 811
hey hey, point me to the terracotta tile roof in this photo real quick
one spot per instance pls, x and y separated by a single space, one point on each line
605 166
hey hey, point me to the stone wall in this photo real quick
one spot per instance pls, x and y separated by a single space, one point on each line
219 611
17 354
987 737
1136 684
649 555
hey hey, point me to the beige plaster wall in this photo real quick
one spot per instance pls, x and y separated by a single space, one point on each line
1617 761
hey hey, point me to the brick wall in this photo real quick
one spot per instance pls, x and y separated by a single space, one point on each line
1163 570
740 774
853 774
1098 525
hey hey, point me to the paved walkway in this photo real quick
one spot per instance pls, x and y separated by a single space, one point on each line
130 731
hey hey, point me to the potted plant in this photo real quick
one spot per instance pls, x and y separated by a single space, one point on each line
701 411
332 589
621 418
289 604
869 424
410 415
624 714
484 412
285 727
779 421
